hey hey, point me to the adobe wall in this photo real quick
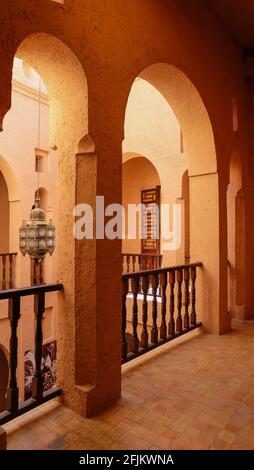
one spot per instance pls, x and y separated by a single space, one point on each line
114 42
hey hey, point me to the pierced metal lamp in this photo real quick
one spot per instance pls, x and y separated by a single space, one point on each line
37 238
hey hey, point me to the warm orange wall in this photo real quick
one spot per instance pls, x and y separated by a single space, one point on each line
114 42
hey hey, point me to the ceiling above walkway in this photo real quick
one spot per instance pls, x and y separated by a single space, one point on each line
238 18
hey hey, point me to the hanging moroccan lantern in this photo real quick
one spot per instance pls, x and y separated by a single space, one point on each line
37 238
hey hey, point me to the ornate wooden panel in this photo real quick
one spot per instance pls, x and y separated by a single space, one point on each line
150 220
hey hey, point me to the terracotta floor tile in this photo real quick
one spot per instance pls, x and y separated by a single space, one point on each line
181 423
195 396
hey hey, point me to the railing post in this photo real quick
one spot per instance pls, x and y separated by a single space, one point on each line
179 322
134 337
133 263
171 325
34 273
153 262
128 263
186 298
13 391
41 274
4 272
144 335
11 261
154 332
124 313
163 286
193 296
37 384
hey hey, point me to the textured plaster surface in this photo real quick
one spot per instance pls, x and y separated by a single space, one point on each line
106 45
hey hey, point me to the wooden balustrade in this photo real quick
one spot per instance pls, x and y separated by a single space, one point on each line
7 272
134 262
177 286
14 406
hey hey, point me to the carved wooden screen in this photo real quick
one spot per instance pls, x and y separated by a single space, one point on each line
150 220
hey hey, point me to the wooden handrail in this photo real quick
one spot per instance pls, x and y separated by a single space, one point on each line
133 262
25 291
144 255
172 294
161 270
14 406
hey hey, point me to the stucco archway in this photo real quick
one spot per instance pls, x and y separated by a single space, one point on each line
13 204
190 111
66 83
10 179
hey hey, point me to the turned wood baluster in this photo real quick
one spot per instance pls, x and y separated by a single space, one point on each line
144 335
128 263
134 337
4 272
34 273
153 259
154 332
37 383
186 298
193 296
179 322
163 287
171 324
41 272
124 314
160 261
11 262
140 266
134 263
13 391
147 262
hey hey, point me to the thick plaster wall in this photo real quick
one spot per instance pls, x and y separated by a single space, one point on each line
113 53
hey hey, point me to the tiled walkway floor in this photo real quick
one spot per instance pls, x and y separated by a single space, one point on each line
198 395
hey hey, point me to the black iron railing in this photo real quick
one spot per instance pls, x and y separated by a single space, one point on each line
15 406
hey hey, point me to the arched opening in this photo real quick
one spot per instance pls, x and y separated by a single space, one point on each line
4 215
139 174
66 84
175 113
9 218
4 374
236 239
152 129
